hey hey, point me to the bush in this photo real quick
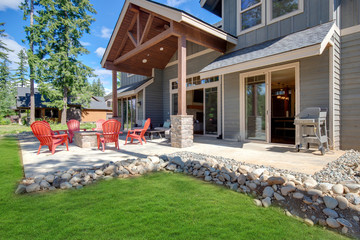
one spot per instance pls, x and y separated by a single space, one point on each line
5 121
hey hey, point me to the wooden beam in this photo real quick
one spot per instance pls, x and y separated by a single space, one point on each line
199 37
162 36
122 45
114 94
134 8
128 69
131 37
138 29
147 27
182 75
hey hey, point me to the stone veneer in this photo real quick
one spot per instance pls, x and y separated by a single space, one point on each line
182 131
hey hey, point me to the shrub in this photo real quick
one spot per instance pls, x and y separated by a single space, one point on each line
5 121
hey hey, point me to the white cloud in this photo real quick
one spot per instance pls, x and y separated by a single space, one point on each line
175 3
12 45
108 90
13 4
85 44
102 72
105 32
100 51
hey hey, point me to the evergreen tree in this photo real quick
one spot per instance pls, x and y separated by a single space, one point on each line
118 79
97 88
21 71
7 93
60 24
3 48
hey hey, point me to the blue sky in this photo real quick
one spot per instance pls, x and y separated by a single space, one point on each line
106 17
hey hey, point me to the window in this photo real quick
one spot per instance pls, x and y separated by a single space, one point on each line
108 103
251 14
281 9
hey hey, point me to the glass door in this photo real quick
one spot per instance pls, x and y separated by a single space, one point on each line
211 111
255 107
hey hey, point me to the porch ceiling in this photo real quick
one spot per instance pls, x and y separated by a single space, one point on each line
144 39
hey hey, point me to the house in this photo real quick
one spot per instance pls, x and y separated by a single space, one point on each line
98 108
242 79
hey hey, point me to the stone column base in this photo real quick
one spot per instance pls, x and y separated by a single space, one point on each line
182 131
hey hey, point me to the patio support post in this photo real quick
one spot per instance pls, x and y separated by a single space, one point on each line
182 124
114 94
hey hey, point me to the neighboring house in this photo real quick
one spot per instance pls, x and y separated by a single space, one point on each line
247 76
98 108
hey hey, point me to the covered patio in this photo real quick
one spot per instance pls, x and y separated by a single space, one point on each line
274 155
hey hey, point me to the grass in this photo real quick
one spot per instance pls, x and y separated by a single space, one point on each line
154 206
16 128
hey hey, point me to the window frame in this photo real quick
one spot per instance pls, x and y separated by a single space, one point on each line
240 12
270 19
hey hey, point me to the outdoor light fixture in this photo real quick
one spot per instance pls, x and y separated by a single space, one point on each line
144 60
161 49
139 103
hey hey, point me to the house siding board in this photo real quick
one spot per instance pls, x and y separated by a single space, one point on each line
126 80
153 98
350 88
315 13
140 109
314 81
336 90
232 106
350 13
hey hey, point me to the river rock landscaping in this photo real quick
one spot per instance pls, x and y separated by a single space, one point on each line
328 198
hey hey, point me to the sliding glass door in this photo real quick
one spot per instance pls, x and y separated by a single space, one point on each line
211 111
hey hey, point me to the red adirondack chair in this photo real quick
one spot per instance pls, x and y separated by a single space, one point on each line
99 124
138 134
52 131
111 130
73 126
43 133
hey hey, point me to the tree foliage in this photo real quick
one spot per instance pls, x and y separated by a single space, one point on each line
97 88
3 48
21 73
56 33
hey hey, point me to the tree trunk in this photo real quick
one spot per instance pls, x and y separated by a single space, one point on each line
64 111
32 87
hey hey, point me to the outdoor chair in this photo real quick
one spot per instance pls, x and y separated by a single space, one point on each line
44 134
73 126
138 134
166 128
52 131
111 130
99 124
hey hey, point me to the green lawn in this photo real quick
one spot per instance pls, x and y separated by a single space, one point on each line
16 128
155 206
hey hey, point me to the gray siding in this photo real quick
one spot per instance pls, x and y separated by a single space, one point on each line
336 90
191 48
350 89
193 66
127 80
153 100
314 81
231 106
315 13
141 108
350 10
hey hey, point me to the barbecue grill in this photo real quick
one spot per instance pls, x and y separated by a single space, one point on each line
312 123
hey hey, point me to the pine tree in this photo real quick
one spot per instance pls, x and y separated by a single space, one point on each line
3 48
21 72
97 88
7 93
62 77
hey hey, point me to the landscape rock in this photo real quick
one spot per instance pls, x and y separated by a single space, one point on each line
331 213
314 192
259 171
276 180
241 179
208 178
344 222
325 187
266 202
171 167
33 187
66 176
65 185
331 222
298 195
44 184
177 160
309 182
308 222
257 202
330 202
20 189
338 188
99 172
354 188
268 192
154 159
286 190
109 170
279 197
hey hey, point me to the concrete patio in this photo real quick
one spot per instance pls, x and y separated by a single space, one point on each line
275 155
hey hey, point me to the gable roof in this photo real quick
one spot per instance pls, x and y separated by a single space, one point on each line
318 36
23 100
